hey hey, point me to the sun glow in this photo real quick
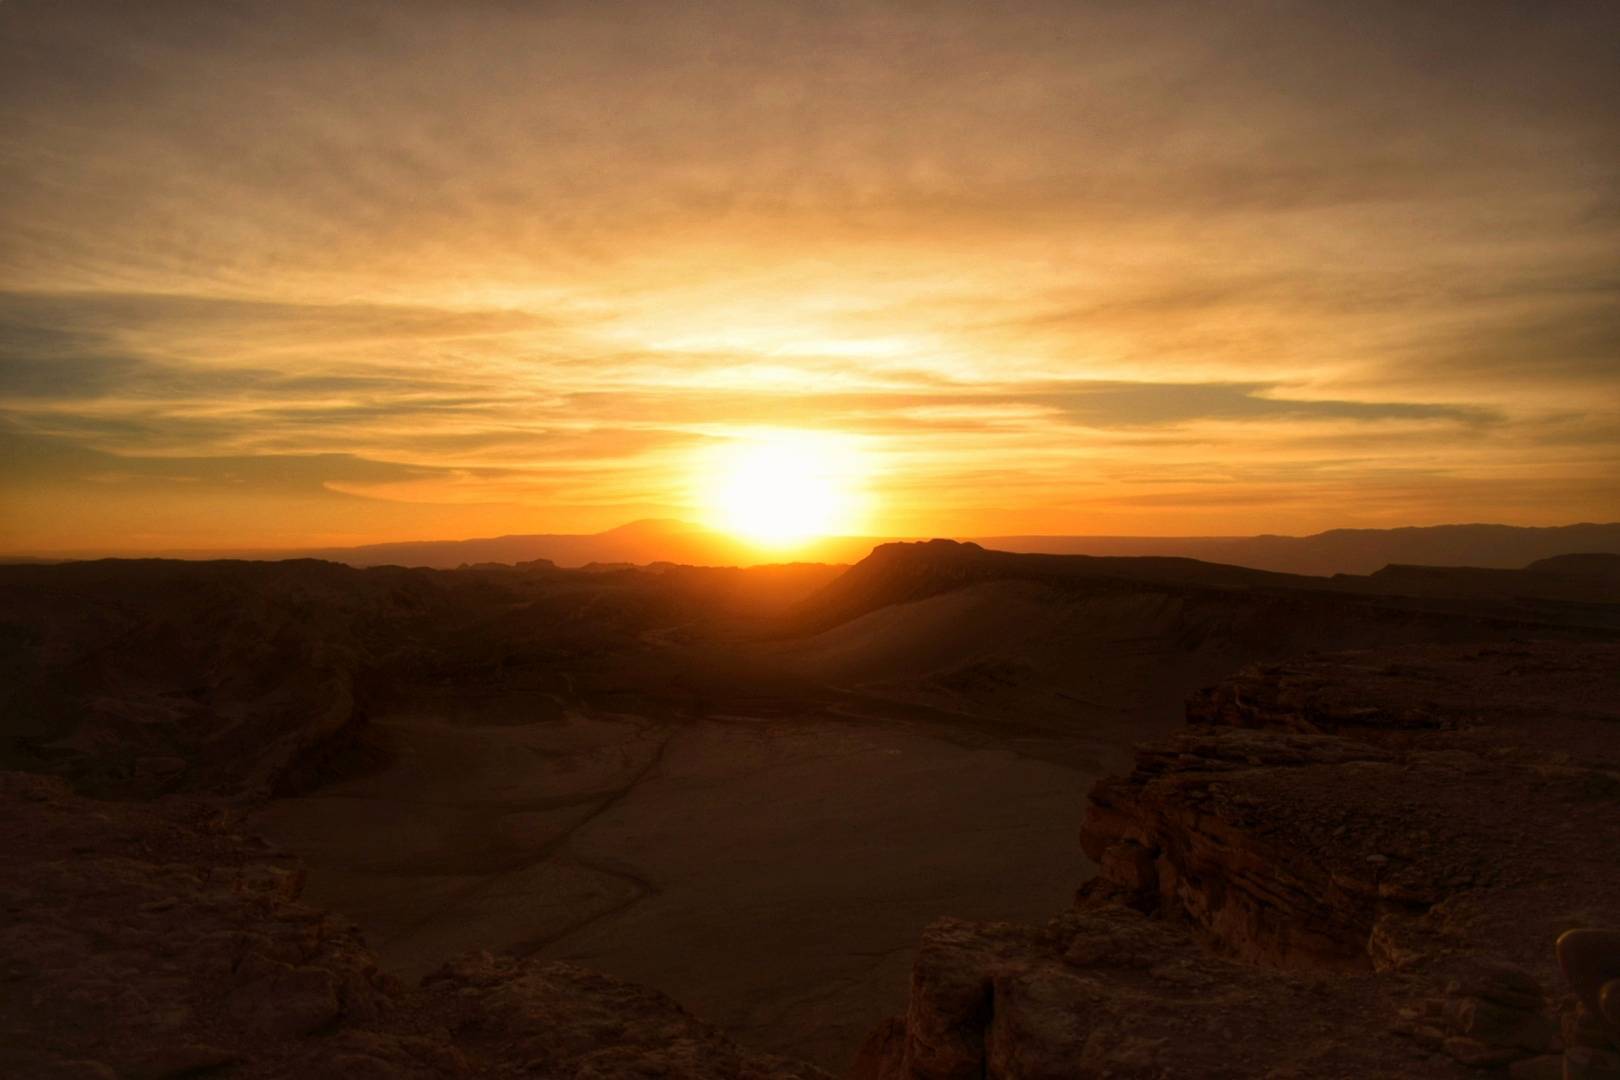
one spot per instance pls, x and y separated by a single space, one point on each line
779 488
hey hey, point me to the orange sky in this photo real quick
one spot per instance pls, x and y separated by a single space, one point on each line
286 274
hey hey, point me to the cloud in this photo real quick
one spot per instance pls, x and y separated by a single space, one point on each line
1146 404
1053 251
38 458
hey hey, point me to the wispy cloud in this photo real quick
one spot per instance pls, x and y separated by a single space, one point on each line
1064 267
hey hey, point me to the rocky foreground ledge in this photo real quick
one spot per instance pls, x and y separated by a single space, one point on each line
148 940
1352 866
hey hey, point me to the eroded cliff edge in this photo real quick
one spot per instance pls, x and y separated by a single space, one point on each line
1345 866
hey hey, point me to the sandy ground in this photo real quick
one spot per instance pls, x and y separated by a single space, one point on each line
773 875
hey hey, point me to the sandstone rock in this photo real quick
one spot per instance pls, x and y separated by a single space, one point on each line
882 1055
1546 1067
1477 1054
1107 992
66 1070
179 1059
1500 1025
291 1001
360 1067
1246 823
566 1021
1590 960
1589 1063
1421 823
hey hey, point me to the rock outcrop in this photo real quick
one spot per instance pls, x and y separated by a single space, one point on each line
1107 992
146 940
1354 865
1376 810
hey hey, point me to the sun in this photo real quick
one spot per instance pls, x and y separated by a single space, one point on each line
781 488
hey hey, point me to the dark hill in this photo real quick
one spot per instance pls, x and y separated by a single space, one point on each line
902 572
1580 564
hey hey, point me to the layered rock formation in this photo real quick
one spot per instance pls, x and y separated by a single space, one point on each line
1346 866
1107 992
150 940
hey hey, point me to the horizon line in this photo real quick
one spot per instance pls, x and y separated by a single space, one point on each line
302 551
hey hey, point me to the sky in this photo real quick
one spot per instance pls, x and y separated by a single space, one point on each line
277 274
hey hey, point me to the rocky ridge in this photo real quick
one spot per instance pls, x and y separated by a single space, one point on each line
1354 865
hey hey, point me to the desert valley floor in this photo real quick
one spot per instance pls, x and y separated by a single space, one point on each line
771 873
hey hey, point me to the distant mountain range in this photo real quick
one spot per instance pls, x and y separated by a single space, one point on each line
1346 551
638 543
1338 551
